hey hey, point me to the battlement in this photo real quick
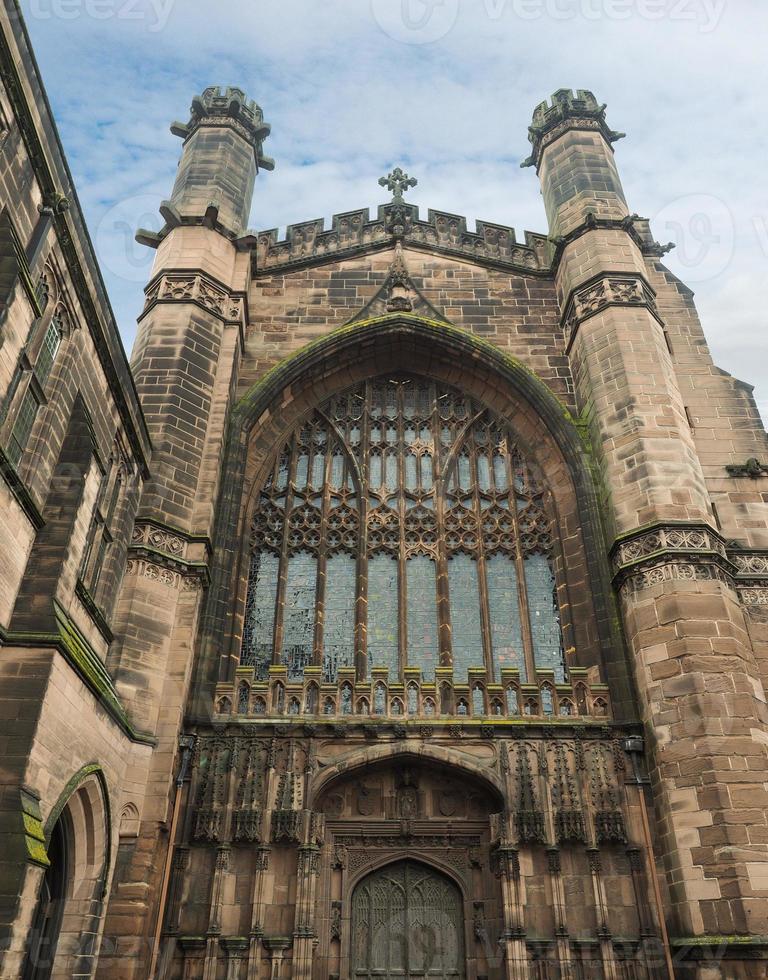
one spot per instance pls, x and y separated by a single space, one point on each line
554 118
230 106
565 103
353 231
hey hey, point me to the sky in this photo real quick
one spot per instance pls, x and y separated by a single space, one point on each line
445 89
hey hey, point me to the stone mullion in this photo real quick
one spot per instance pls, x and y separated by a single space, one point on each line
640 887
512 905
402 586
512 888
522 587
176 891
361 601
322 551
485 608
277 639
443 588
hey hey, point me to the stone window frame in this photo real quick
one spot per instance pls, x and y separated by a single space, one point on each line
34 383
463 442
104 521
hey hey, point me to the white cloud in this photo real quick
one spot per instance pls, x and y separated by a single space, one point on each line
347 100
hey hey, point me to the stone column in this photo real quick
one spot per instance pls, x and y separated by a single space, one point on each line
700 694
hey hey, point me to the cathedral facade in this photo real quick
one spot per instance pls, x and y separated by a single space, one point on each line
399 610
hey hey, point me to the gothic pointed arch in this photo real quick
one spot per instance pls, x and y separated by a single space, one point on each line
439 757
288 396
69 906
407 919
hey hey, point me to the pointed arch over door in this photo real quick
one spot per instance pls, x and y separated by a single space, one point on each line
407 920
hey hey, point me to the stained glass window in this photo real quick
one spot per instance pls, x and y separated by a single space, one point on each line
400 526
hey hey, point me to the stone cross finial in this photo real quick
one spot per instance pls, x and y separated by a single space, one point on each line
397 182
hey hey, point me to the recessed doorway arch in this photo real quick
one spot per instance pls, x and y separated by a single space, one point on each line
407 920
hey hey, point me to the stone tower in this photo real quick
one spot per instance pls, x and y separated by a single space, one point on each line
699 684
187 354
399 610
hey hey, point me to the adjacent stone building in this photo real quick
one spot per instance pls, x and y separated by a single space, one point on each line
399 611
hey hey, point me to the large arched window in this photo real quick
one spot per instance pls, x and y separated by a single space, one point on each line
402 526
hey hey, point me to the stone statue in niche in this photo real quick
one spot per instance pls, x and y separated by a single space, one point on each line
407 796
336 920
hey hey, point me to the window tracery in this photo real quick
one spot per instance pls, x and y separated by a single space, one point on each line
401 526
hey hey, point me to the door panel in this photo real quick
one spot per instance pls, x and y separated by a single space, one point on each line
407 922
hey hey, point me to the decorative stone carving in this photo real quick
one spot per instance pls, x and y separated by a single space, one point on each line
198 289
335 920
753 469
608 290
354 231
448 803
550 121
366 801
661 539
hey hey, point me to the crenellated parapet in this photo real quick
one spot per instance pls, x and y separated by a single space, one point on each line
566 111
354 231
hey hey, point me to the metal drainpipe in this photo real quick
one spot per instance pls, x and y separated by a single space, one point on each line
634 746
186 744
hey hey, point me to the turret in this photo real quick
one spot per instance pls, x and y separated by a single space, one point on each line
699 688
221 156
572 154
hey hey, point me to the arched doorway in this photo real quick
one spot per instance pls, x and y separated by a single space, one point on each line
407 921
62 941
46 926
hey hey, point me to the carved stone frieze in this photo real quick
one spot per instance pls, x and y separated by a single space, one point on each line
671 538
168 557
173 287
671 570
750 564
159 538
352 841
693 552
597 295
754 597
153 571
